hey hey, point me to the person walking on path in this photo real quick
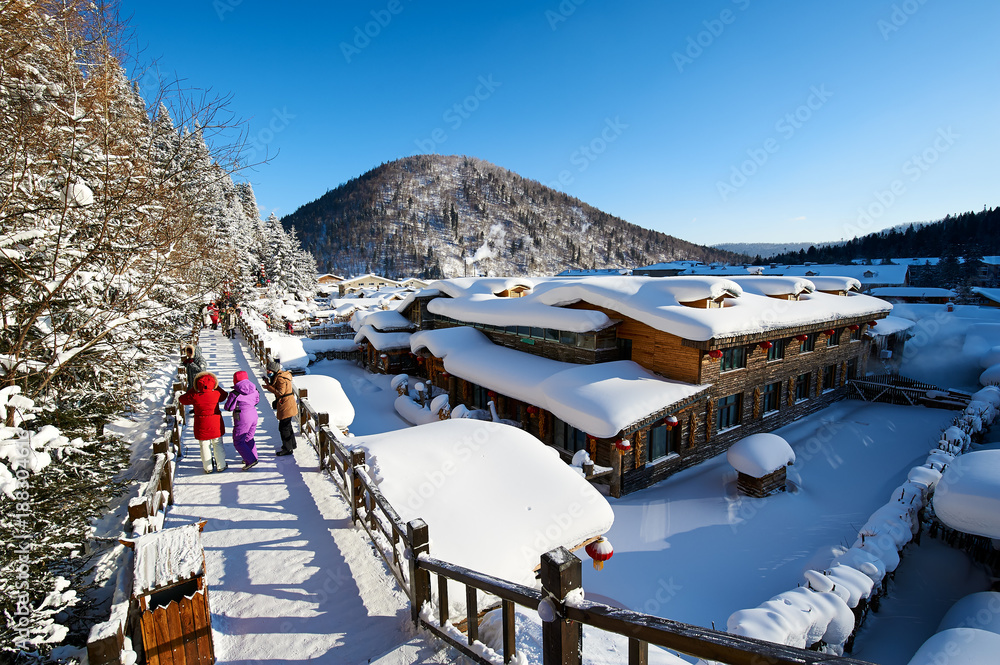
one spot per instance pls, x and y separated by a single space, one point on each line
229 322
242 401
204 397
280 383
213 311
194 363
206 315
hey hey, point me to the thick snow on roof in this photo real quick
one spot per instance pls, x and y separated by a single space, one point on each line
491 310
600 399
891 325
989 294
968 646
381 320
968 496
656 301
880 274
383 341
912 292
168 556
485 286
456 475
775 285
759 454
326 395
835 283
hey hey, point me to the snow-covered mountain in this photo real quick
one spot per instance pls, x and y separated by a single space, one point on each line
448 216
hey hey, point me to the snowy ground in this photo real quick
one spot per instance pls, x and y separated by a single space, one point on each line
291 579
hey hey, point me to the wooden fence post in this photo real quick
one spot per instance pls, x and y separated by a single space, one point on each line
420 580
357 461
324 448
562 639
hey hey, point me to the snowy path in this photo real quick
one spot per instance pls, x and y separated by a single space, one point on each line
290 578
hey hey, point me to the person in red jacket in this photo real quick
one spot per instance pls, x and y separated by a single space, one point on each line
205 397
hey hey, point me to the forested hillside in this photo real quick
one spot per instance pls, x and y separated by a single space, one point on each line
445 216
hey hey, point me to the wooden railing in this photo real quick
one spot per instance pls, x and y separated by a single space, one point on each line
405 549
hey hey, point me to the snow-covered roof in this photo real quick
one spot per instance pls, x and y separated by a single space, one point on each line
977 610
835 283
383 320
383 341
774 285
989 294
369 276
760 454
326 395
968 496
473 518
968 646
460 287
491 310
168 556
911 292
601 399
891 325
881 274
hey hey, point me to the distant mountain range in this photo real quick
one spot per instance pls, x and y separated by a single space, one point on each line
438 216
767 249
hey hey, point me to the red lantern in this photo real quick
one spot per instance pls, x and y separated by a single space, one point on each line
671 422
854 326
532 410
802 338
445 376
766 345
715 353
623 445
492 395
872 324
420 360
600 551
830 333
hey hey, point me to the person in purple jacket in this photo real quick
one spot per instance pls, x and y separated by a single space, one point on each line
242 402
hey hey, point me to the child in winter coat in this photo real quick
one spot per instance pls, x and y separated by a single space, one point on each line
242 402
193 362
213 312
204 397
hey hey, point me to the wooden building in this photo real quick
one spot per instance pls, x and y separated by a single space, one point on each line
755 353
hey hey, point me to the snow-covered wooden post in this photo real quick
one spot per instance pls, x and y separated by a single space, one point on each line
562 639
357 491
420 580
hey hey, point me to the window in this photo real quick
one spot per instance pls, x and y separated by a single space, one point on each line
852 369
777 351
834 339
830 377
809 344
802 382
537 333
728 411
568 338
585 341
856 333
734 359
663 442
567 437
624 348
551 335
770 397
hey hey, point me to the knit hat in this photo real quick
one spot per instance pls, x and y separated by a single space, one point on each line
273 365
240 376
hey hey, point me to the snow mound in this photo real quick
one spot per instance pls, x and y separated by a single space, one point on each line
326 395
977 610
968 496
760 454
991 376
968 646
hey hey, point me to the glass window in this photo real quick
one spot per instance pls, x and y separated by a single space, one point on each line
624 348
586 341
834 339
551 335
856 334
663 442
809 344
852 368
802 382
524 331
538 333
728 411
770 397
511 330
567 437
568 338
830 377
777 350
734 358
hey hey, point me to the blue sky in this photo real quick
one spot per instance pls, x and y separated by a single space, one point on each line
717 121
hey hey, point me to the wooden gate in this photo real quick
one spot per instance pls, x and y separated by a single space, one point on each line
180 632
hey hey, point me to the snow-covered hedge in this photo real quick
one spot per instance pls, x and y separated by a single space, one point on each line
820 610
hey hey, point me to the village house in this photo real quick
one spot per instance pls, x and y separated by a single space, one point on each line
914 294
650 375
383 337
369 281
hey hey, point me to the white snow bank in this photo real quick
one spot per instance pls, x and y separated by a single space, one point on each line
453 473
760 454
967 646
326 395
977 610
413 413
383 320
891 325
968 496
835 283
600 399
774 285
383 341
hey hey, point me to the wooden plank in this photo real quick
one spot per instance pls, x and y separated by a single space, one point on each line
188 629
471 614
509 634
466 651
443 609
172 617
203 627
516 593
